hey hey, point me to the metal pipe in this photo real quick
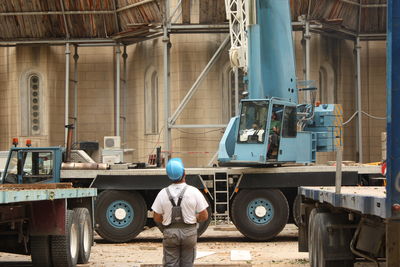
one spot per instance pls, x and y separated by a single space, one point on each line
136 5
359 101
307 38
197 83
70 131
338 180
117 90
76 57
166 60
236 70
194 126
125 95
67 67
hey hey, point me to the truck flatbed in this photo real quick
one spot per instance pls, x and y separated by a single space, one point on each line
91 174
37 192
365 200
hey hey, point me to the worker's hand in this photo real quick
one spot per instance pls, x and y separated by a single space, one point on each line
202 216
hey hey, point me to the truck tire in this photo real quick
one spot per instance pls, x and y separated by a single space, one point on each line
84 220
40 251
260 214
321 241
65 248
296 210
204 225
120 215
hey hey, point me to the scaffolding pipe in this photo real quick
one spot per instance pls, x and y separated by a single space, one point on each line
125 95
199 80
307 38
67 68
166 81
117 90
76 57
359 101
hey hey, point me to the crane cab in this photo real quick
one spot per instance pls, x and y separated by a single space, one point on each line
265 132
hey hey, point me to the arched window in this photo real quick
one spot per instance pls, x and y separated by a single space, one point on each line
31 104
151 101
228 93
327 84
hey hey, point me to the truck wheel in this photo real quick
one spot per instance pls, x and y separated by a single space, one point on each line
204 225
40 251
296 210
120 215
312 236
65 248
322 241
82 216
260 214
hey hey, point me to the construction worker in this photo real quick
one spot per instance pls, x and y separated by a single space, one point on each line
179 207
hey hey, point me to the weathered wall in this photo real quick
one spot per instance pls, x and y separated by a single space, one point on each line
189 54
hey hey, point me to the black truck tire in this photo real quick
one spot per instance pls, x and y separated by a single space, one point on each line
84 220
120 215
204 225
260 214
321 241
65 248
40 251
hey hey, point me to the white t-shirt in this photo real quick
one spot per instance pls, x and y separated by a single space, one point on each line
193 202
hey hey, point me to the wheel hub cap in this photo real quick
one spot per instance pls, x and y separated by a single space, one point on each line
260 211
120 214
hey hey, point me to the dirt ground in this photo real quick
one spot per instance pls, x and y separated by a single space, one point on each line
147 249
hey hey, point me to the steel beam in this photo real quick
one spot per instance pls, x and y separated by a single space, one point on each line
197 83
197 126
117 90
307 60
125 95
76 57
67 68
393 110
166 79
359 100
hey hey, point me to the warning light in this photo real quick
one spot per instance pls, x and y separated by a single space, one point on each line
15 141
317 103
28 142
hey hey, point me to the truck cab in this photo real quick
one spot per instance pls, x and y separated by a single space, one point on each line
26 165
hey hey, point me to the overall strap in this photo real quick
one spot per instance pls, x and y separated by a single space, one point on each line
181 195
170 197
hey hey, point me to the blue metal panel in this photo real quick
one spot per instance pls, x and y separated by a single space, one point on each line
364 203
227 143
18 195
393 106
271 57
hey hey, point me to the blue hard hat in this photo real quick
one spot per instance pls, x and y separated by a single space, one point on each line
175 169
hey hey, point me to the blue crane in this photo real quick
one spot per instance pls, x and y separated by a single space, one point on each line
272 126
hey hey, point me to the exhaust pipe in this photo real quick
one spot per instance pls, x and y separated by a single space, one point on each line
70 134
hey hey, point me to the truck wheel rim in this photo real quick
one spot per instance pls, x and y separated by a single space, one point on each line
86 237
74 240
260 211
120 214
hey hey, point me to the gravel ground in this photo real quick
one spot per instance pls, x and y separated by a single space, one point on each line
147 249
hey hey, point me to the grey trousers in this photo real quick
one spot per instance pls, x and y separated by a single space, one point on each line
179 246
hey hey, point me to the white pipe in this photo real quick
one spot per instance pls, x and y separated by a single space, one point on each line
236 91
124 57
359 101
117 91
166 59
307 37
76 57
66 118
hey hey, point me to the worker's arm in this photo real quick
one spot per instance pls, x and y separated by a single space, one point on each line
158 218
202 216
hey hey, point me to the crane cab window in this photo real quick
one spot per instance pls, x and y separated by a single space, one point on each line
253 120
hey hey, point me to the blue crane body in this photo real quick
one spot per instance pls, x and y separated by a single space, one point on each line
302 130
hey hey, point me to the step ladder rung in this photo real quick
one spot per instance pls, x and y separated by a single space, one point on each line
221 203
221 191
221 180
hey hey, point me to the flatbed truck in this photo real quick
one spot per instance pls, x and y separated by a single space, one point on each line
339 225
52 222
